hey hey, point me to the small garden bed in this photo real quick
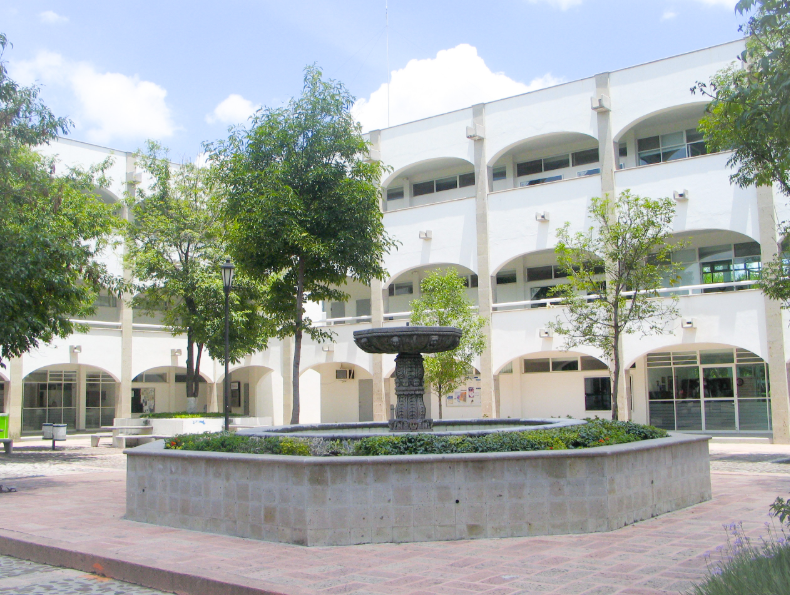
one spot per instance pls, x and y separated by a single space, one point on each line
595 432
181 415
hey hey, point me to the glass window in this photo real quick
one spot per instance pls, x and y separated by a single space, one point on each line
529 168
363 307
564 365
660 384
588 172
747 249
404 288
532 366
106 301
505 277
649 143
446 184
392 194
751 381
542 181
465 180
539 273
592 363
507 369
716 356
720 415
422 188
623 150
693 135
721 252
687 383
718 384
182 378
540 293
585 157
672 139
500 173
688 255
93 395
597 394
558 162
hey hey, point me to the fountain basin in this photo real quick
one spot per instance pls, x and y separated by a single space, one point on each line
412 340
322 501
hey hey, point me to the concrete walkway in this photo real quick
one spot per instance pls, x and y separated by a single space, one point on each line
75 520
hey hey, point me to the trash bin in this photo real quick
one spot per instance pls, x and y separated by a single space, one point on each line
59 431
3 425
46 430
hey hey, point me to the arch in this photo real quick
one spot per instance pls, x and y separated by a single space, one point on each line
327 366
428 267
692 109
66 367
425 166
542 252
540 142
106 196
240 367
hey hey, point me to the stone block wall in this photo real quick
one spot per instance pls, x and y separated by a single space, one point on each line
351 500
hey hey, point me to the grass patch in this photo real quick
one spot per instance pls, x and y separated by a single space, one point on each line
597 432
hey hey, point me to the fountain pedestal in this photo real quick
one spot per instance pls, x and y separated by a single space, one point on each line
409 342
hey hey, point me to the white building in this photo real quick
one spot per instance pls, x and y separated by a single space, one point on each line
484 190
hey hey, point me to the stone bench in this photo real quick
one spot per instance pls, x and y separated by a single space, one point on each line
8 445
95 438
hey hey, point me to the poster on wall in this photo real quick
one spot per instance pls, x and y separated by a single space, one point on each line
147 396
466 395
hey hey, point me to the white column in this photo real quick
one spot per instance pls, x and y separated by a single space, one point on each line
774 327
15 392
488 399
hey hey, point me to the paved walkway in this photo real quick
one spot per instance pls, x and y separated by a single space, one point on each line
75 520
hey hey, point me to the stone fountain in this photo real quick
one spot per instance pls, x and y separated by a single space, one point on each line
409 342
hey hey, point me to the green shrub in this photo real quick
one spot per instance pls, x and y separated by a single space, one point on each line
596 432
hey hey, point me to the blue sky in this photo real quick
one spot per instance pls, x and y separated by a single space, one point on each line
181 72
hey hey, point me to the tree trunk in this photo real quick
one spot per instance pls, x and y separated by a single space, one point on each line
298 339
616 373
439 387
191 402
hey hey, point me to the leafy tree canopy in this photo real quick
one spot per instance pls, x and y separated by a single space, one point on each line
302 203
443 302
53 227
621 260
175 249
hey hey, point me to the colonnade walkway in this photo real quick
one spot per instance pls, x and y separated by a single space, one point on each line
70 514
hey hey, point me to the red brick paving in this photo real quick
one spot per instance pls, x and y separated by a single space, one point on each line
81 515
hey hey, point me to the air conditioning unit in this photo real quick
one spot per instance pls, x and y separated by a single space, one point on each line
545 333
344 374
688 323
542 217
680 195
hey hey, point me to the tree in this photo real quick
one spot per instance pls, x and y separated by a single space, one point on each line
53 227
621 261
175 247
749 112
302 204
443 302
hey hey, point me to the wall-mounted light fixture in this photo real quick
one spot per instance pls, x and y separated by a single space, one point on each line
327 348
76 348
688 323
426 235
602 103
545 333
680 195
175 352
542 217
475 132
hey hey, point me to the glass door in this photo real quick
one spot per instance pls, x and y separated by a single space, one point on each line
719 397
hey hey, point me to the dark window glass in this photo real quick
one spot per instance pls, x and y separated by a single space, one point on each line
539 273
529 168
137 401
394 193
650 157
673 153
649 143
597 394
404 289
505 277
697 149
558 162
623 152
363 307
422 188
589 172
544 180
465 180
747 249
446 184
500 173
470 281
182 378
564 365
593 363
541 293
585 157
693 135
532 366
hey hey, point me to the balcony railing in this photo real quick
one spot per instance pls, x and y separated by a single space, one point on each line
670 291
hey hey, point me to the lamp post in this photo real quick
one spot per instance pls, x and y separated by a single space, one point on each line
227 282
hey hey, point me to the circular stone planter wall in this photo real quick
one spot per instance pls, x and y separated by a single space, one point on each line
350 500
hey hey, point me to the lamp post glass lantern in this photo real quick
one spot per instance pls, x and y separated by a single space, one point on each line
227 282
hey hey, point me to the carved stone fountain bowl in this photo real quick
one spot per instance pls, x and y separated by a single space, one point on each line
408 339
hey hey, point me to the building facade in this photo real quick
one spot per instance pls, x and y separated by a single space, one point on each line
483 190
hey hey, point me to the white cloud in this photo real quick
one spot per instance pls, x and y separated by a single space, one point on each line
107 106
455 79
668 14
561 4
52 18
234 109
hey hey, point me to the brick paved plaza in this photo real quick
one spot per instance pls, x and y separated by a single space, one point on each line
69 506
